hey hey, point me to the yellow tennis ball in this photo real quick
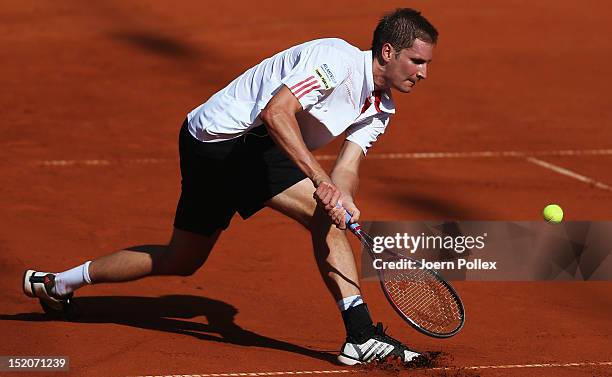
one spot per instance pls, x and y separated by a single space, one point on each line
553 213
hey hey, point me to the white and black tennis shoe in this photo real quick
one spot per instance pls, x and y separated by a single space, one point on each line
40 285
377 346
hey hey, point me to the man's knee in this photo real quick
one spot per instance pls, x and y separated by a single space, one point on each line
321 226
185 253
296 202
179 264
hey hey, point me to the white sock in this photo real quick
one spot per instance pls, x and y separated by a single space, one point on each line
69 281
349 302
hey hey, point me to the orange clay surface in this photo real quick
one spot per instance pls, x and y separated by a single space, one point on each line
93 94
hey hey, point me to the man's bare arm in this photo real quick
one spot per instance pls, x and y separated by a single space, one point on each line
345 175
279 117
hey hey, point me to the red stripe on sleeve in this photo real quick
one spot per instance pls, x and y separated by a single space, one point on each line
301 82
308 91
304 87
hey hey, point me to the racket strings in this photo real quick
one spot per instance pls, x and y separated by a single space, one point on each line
419 294
425 299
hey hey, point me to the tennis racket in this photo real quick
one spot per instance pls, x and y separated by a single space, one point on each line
419 295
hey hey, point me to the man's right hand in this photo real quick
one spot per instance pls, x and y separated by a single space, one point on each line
327 195
330 198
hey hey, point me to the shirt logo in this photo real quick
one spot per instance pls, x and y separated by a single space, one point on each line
323 78
329 73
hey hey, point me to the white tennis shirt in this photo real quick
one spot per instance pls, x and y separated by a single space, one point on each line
333 82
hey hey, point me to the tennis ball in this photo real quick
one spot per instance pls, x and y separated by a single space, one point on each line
553 213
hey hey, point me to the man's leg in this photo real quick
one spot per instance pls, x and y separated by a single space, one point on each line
183 255
332 250
333 253
206 173
364 342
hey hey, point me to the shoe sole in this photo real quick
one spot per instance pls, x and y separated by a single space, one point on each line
348 360
27 286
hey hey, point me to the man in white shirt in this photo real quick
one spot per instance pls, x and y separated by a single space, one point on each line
249 146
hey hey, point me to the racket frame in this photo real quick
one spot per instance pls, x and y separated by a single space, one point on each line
367 241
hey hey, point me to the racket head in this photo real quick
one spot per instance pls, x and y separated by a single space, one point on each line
420 296
425 300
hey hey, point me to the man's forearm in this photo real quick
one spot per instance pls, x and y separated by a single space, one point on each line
346 180
285 131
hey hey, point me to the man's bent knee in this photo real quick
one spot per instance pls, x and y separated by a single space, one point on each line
186 253
322 224
171 263
296 202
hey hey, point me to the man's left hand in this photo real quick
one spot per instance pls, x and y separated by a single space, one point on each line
337 214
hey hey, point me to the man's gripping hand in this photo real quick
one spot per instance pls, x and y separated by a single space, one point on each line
338 215
330 198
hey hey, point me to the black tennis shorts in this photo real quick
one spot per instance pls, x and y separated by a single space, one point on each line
222 178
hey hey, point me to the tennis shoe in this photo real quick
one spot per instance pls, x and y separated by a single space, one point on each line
374 345
40 284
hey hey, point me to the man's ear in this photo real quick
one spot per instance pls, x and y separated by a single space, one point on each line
387 52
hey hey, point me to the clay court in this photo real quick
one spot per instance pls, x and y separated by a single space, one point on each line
514 115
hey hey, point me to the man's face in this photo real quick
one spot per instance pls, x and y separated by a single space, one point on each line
409 66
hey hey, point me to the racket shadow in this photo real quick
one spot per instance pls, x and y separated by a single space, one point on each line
170 314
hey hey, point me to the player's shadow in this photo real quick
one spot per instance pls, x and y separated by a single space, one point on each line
169 314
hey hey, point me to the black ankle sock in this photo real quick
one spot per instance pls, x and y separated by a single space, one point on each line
357 321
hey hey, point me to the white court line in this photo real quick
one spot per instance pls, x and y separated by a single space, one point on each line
98 162
255 373
480 154
530 156
543 365
568 173
480 367
371 156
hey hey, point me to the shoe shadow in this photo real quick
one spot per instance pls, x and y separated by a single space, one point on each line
170 314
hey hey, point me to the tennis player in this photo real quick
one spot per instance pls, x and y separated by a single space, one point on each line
249 146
